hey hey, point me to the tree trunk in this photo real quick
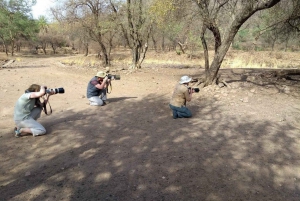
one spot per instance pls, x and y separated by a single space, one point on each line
144 55
106 61
205 50
181 47
154 43
163 43
86 47
53 48
44 50
18 47
6 49
12 47
135 57
105 55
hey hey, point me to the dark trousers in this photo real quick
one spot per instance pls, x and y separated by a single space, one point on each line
180 112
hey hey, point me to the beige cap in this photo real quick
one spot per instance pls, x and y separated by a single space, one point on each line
101 74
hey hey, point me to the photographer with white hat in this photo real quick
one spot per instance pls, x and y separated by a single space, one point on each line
181 94
97 88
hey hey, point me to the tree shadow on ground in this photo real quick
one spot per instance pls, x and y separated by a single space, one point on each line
136 151
120 99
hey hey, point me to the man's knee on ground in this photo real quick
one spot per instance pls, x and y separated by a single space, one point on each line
36 132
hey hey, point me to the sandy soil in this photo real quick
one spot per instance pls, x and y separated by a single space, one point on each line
242 142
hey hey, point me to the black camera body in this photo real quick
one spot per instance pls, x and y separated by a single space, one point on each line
55 90
113 77
194 90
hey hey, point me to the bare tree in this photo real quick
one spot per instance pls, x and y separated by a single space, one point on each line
95 17
136 29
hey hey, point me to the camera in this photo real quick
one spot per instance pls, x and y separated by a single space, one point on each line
113 77
55 90
195 90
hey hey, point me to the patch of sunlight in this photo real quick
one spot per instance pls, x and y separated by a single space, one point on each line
117 163
236 63
239 154
141 187
105 176
108 124
179 139
214 197
195 135
122 139
173 188
139 149
147 165
253 65
77 175
88 153
33 192
154 150
59 177
286 175
271 148
174 169
100 141
78 145
93 63
6 180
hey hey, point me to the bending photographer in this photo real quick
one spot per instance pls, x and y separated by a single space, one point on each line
28 109
97 88
182 93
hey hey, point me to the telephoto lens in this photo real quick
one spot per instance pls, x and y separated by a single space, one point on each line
113 77
56 90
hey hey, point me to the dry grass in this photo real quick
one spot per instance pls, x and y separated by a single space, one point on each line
81 61
262 59
233 59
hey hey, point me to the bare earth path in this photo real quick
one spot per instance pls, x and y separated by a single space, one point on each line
241 144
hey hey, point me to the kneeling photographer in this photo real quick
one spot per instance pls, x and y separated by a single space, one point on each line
28 109
98 87
182 94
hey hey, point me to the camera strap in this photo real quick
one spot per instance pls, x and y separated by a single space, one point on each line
45 105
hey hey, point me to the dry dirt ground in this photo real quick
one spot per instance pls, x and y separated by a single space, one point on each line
242 142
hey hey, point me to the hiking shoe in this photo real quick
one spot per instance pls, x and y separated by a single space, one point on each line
17 132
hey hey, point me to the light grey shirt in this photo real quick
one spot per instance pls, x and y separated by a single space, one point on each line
23 107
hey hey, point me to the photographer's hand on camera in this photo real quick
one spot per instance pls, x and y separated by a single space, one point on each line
102 83
105 82
191 91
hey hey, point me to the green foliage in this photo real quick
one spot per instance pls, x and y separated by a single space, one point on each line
15 23
259 48
243 35
236 46
160 11
194 40
43 23
18 6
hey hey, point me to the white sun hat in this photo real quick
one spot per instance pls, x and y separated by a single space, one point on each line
185 79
